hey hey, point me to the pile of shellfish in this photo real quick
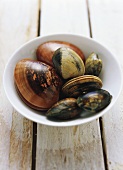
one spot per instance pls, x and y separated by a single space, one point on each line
60 82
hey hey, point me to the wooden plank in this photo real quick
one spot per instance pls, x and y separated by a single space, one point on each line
18 24
69 148
68 11
106 22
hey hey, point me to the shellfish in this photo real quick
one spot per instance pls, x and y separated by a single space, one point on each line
46 50
81 85
94 101
93 65
64 109
37 84
68 63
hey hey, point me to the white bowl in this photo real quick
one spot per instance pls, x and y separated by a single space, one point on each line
110 75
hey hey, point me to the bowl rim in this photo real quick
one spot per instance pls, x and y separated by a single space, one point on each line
64 124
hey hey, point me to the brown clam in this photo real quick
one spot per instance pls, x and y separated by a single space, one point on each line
64 109
37 83
81 85
46 50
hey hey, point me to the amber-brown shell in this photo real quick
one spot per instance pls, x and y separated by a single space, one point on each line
81 84
46 50
37 83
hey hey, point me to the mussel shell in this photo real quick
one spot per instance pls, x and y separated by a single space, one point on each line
81 85
37 84
68 63
94 101
64 109
93 65
46 50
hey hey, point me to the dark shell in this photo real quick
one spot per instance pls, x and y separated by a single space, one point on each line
93 65
64 109
37 84
94 101
81 85
46 50
68 63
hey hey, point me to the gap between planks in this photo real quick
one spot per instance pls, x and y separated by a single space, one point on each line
34 142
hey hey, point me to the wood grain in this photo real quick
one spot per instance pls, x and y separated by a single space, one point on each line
107 26
18 24
69 148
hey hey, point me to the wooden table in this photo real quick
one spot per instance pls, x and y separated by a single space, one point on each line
25 145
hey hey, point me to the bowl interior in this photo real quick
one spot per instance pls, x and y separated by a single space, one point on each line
110 75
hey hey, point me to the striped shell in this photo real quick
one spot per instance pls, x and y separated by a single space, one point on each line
68 63
81 85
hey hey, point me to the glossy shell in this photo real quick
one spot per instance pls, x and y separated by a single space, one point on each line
94 101
68 63
46 50
81 85
37 84
93 65
64 109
